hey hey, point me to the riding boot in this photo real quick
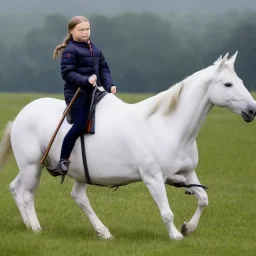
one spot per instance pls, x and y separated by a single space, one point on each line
60 170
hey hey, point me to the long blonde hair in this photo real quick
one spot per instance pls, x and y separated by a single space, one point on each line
72 23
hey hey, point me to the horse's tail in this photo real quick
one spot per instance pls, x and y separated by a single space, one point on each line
5 146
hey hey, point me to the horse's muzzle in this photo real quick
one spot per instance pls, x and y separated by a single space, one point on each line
249 115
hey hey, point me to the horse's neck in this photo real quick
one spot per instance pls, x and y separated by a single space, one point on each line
192 109
188 116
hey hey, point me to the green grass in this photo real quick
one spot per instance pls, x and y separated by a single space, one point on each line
227 165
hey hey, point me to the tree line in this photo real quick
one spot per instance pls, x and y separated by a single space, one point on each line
145 52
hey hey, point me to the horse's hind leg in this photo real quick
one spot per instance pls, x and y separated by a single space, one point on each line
190 227
27 151
30 176
23 189
17 194
79 195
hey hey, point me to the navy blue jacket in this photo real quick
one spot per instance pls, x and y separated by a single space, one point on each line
77 66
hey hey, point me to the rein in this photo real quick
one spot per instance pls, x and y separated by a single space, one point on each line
182 185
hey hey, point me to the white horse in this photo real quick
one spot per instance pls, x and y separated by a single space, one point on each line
152 141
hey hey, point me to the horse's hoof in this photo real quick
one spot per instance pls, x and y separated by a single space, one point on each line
105 235
187 229
37 230
177 237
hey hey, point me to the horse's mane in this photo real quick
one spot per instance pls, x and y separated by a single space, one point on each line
168 99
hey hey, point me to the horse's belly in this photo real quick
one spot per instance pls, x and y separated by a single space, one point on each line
115 173
107 173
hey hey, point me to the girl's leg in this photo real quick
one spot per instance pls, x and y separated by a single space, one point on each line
79 115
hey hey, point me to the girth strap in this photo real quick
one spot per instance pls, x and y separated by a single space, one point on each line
86 171
96 97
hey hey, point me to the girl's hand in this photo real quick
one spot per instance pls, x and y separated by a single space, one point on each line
113 89
93 79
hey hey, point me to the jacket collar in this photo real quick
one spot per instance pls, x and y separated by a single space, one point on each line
83 44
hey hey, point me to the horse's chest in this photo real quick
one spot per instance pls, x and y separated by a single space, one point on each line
187 163
184 163
187 159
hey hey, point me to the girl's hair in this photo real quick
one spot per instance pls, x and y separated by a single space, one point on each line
72 23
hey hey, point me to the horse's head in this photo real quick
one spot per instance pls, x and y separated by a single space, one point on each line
227 89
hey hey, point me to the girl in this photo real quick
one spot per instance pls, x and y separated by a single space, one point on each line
82 65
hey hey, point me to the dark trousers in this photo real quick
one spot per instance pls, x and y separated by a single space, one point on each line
79 114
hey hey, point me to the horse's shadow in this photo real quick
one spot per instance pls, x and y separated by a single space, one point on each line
119 234
86 232
140 234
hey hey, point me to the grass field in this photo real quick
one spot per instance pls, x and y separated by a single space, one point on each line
227 165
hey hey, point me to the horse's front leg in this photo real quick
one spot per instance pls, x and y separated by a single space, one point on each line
80 197
190 227
156 186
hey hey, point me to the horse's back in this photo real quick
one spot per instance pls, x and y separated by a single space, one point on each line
38 114
33 126
40 118
40 107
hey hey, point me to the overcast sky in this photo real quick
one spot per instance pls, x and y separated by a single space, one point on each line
84 7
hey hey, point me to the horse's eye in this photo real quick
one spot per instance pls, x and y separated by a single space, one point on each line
228 84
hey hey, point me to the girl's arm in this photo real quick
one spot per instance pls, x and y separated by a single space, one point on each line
105 75
68 69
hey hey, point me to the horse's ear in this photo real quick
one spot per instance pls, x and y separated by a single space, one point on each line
221 65
232 59
226 56
216 61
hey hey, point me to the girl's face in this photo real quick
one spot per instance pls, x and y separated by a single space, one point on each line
81 32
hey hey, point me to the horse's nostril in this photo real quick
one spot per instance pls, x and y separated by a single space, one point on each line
252 112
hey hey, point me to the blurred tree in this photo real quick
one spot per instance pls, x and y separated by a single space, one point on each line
146 53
